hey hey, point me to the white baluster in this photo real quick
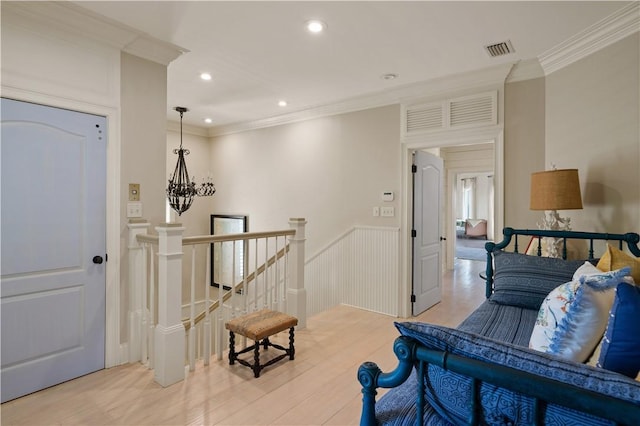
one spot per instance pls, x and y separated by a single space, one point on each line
152 307
265 294
234 307
207 304
144 337
220 324
276 286
192 312
255 279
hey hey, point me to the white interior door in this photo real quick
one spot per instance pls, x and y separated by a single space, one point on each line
427 226
53 198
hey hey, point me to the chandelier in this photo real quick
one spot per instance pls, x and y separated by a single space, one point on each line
181 189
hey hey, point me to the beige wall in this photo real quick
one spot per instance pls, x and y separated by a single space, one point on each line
331 171
524 117
592 124
143 158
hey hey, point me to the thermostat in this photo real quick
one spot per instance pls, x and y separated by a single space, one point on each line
387 196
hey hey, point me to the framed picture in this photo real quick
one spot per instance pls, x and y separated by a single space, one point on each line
222 254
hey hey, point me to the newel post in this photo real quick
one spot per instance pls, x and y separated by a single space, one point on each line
137 265
296 293
169 332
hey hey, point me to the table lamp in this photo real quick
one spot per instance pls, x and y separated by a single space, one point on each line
554 190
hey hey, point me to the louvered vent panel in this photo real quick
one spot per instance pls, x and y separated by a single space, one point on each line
499 49
424 118
478 110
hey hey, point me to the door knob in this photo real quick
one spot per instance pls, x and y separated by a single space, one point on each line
443 239
97 260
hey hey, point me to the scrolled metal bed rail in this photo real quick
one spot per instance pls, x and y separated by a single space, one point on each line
543 390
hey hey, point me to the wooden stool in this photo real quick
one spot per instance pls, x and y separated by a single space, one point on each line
258 326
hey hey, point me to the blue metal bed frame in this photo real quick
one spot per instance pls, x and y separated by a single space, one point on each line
543 390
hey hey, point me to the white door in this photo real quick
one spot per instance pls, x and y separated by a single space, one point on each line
52 289
427 226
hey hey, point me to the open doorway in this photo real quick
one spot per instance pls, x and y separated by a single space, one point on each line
473 213
470 200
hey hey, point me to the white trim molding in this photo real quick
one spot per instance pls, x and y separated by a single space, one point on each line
607 31
424 90
71 18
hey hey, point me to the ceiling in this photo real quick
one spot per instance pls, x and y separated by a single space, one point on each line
259 53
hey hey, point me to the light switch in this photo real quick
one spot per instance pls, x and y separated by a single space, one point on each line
134 209
387 211
376 211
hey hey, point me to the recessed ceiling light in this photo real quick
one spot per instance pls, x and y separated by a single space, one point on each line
389 76
282 103
205 76
208 120
316 26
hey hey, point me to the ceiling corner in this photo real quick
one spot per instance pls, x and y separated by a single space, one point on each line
607 31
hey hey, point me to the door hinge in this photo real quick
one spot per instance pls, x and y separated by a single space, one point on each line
414 233
414 168
413 298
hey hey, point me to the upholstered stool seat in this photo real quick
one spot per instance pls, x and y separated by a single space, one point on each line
259 326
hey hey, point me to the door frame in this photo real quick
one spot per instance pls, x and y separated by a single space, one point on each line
485 134
115 353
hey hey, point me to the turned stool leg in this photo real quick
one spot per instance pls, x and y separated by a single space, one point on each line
232 352
256 360
292 351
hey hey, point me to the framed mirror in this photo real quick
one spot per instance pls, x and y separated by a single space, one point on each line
222 254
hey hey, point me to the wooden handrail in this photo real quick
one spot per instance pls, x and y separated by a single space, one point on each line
146 238
203 239
239 286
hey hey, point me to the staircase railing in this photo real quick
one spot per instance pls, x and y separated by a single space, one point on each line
165 324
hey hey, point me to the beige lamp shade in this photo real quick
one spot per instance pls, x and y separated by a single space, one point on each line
555 190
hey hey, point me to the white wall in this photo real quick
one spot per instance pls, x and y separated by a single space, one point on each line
524 141
592 124
331 171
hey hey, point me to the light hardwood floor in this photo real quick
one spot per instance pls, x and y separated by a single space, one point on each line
318 388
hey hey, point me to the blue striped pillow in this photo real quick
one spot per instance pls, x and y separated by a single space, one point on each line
525 281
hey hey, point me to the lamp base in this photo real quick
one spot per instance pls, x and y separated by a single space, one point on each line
553 222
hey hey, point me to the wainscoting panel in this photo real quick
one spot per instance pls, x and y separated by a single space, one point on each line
359 269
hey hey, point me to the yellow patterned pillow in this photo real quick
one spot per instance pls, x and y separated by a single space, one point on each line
614 259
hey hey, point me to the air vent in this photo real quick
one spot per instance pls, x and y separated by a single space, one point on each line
500 49
475 110
472 110
424 117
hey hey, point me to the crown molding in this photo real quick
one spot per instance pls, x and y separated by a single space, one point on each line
408 93
71 18
609 30
525 70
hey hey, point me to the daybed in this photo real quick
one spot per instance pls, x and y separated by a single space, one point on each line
484 372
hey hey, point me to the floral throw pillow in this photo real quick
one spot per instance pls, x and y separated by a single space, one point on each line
573 317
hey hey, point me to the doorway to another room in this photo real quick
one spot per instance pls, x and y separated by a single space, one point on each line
473 213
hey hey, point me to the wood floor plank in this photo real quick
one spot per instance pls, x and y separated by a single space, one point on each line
318 387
